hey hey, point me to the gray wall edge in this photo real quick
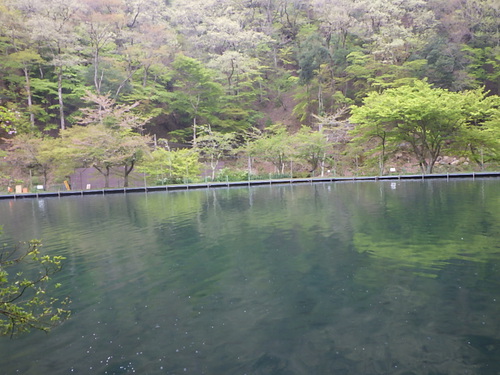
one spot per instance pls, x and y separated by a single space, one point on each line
211 185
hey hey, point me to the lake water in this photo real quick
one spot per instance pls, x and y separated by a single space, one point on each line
339 278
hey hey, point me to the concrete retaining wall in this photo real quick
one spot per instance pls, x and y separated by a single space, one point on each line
209 185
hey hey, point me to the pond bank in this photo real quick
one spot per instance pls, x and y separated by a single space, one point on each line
283 181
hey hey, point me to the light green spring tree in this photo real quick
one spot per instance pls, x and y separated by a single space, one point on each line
426 119
171 166
313 147
213 146
273 146
38 158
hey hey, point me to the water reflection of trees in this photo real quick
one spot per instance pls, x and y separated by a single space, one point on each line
279 263
424 229
443 231
326 278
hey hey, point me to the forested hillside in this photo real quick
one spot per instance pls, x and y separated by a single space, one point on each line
338 85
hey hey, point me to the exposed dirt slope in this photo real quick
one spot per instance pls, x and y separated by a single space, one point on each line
280 111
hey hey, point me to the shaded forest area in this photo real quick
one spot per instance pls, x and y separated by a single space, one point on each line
170 87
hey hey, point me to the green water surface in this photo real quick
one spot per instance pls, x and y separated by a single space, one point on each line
337 278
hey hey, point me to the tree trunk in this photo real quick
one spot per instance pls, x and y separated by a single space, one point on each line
213 165
323 165
381 166
145 77
59 94
105 173
382 157
45 180
128 170
194 131
97 80
106 178
430 166
28 94
249 165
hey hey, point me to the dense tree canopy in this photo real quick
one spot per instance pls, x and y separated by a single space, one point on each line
165 166
235 65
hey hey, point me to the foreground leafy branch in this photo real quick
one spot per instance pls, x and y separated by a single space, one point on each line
25 299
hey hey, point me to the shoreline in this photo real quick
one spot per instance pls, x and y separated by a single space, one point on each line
208 185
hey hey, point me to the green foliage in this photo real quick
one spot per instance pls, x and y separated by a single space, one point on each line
104 148
428 120
171 166
23 58
198 98
27 300
230 174
480 139
32 155
221 63
368 74
109 138
8 119
311 55
196 94
312 147
273 146
213 146
98 145
484 66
